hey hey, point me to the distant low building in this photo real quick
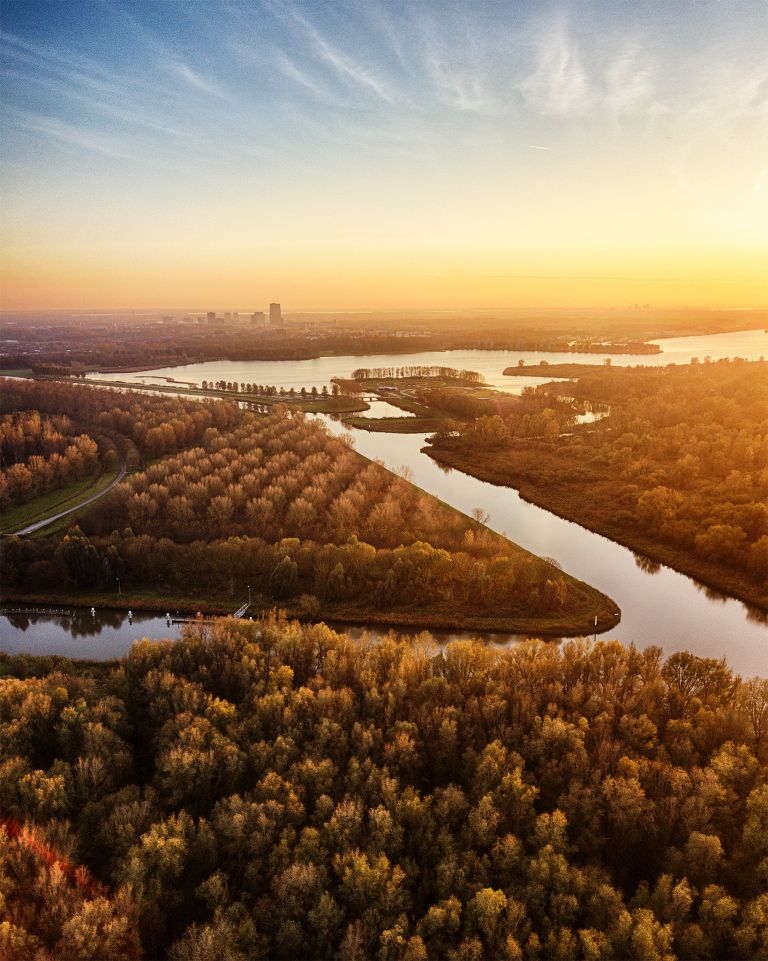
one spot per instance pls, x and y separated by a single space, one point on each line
258 319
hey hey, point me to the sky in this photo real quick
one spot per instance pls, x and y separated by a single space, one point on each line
372 154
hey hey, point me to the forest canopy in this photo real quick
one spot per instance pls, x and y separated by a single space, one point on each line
274 790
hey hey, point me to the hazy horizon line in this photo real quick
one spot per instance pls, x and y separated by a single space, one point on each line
386 310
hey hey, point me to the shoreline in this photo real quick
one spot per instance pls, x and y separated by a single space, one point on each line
569 506
529 627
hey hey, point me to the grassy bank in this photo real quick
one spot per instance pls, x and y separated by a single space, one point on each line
394 425
592 505
55 501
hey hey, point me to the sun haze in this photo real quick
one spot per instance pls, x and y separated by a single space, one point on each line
384 155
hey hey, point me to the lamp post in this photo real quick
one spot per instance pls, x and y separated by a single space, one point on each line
249 593
119 589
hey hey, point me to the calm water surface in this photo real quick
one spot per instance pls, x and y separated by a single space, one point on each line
379 409
75 633
109 634
750 345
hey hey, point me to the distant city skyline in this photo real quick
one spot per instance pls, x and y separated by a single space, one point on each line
384 155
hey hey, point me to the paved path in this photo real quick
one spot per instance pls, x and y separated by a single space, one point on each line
89 500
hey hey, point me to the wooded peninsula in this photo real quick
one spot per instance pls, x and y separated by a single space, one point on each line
222 503
674 465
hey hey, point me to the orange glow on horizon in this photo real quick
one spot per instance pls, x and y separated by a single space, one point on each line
389 283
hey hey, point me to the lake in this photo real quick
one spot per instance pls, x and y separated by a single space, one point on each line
750 345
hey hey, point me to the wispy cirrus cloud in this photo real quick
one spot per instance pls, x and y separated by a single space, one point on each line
194 79
343 64
578 77
464 87
558 84
628 83
290 69
71 135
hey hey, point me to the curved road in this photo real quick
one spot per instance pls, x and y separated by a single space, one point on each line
89 500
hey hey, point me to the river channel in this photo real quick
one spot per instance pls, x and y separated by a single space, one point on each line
658 605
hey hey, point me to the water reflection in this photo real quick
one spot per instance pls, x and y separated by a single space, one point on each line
380 409
758 616
646 564
109 634
78 622
77 633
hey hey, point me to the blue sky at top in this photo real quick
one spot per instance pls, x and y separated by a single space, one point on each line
421 122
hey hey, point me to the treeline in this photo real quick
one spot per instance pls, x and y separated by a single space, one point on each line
140 423
53 434
276 791
417 370
418 581
681 459
614 347
268 390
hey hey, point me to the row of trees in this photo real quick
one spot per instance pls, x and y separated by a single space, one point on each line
280 476
276 791
353 577
268 390
37 475
417 370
